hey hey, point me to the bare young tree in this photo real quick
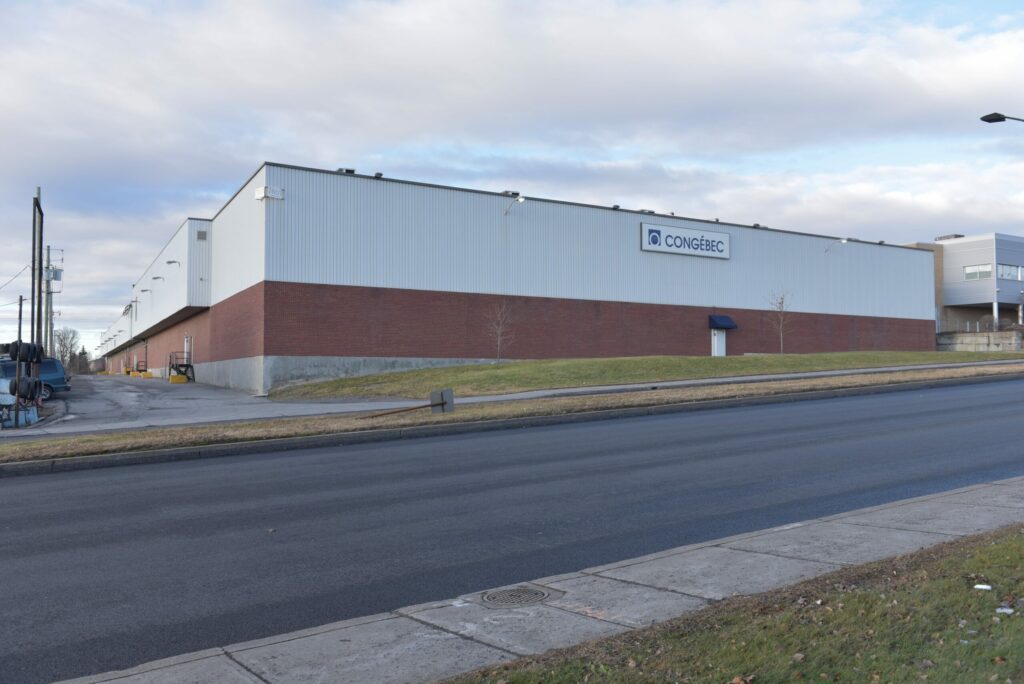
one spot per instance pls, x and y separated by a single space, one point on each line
779 317
65 342
500 328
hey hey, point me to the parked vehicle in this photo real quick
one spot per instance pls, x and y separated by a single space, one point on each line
51 373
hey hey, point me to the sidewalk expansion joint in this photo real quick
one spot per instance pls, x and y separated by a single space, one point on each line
838 564
1008 507
951 535
630 628
650 586
230 656
464 637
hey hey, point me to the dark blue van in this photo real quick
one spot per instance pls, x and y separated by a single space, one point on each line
52 374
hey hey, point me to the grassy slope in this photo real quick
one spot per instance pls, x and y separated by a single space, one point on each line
913 619
526 375
191 435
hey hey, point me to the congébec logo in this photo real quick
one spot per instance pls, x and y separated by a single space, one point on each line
673 240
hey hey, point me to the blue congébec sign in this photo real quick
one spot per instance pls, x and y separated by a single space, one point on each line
674 240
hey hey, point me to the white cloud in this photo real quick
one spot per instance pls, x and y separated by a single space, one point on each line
133 116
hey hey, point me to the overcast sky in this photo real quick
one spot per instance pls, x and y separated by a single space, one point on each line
846 118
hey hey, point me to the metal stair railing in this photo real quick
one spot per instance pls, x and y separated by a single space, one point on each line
180 363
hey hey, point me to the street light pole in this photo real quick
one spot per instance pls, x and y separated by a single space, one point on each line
996 117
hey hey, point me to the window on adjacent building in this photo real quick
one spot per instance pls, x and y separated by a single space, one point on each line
1008 272
979 272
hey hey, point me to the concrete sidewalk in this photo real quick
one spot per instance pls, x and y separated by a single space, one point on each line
445 638
119 403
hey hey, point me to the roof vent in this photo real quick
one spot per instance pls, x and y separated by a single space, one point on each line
348 171
951 236
510 193
378 175
615 206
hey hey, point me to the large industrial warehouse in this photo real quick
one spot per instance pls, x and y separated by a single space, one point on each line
308 273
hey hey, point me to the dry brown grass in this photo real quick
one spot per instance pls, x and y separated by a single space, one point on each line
220 433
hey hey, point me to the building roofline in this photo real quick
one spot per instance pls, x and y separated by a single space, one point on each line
562 202
161 251
165 245
242 187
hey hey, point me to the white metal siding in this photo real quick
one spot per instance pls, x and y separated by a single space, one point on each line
237 250
199 262
167 290
349 230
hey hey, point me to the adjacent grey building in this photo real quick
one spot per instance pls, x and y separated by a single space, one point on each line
982 280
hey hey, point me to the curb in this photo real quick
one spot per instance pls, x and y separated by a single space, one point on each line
341 651
57 465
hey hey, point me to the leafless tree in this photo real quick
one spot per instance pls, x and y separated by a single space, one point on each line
500 328
779 317
65 342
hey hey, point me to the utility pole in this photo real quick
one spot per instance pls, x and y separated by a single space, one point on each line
35 236
17 368
48 337
39 276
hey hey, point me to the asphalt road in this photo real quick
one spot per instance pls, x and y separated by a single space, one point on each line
107 569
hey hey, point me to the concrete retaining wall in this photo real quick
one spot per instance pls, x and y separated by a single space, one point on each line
258 374
1007 340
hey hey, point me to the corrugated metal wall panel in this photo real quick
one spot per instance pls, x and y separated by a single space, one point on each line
1010 251
160 291
351 230
199 261
237 251
970 251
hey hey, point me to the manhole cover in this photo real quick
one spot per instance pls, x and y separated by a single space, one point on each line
516 596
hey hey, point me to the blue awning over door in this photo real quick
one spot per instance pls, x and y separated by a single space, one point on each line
721 323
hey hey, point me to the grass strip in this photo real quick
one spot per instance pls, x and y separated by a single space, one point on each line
220 433
518 376
911 619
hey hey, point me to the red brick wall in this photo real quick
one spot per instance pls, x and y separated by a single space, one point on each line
326 320
155 350
237 326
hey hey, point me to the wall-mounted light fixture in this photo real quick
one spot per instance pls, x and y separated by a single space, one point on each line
841 241
518 200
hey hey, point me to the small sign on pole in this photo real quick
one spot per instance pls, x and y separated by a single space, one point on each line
442 401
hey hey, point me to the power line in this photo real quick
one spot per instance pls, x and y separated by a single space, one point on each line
15 276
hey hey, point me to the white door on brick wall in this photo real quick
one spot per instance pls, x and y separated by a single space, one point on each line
718 343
